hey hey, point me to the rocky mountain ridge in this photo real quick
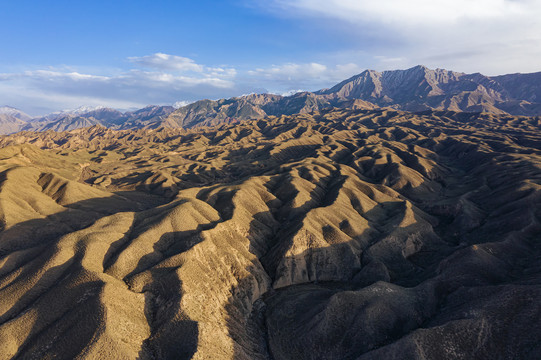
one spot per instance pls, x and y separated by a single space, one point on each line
415 89
420 88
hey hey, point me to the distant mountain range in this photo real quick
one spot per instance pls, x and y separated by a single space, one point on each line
12 120
416 89
420 88
147 117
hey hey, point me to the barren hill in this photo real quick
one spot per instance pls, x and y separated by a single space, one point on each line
335 234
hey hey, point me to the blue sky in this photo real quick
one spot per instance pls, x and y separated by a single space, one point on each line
57 55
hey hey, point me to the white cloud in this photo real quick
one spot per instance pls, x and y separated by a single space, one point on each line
489 36
161 79
221 72
292 92
167 62
313 76
412 11
37 102
291 71
179 104
179 64
40 91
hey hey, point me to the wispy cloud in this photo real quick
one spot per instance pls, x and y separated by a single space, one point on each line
163 61
408 12
158 79
490 36
292 76
181 65
154 79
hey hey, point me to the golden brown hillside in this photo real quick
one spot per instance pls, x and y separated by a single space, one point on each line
342 234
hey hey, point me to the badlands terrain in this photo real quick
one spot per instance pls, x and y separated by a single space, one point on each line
334 234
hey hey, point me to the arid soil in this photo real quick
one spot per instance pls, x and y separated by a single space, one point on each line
340 234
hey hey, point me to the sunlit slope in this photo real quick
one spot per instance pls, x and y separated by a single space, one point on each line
344 234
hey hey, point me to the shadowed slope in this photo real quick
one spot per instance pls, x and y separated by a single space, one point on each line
343 234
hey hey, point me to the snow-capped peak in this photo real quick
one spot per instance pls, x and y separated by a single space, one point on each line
292 92
11 111
82 110
179 104
74 112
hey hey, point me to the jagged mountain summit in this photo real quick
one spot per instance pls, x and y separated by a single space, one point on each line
420 88
415 89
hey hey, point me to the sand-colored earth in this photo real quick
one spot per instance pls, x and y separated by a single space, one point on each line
341 234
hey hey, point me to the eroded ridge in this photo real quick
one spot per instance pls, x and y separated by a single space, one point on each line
342 234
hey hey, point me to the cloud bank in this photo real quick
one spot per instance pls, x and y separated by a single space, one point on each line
291 76
157 79
414 12
489 36
154 79
336 39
